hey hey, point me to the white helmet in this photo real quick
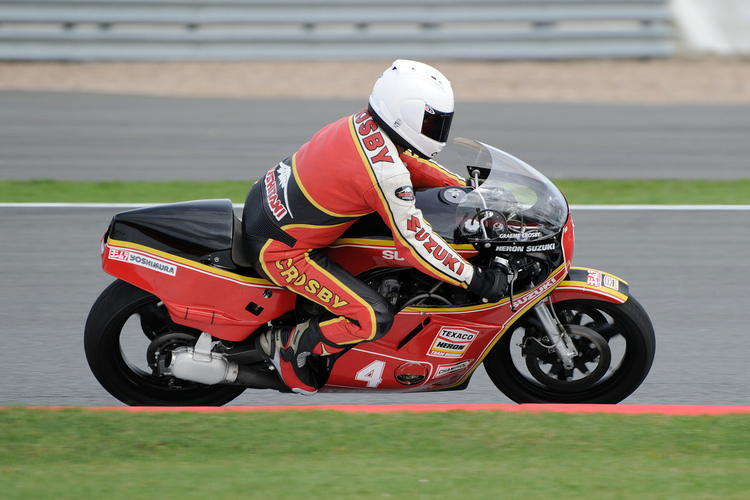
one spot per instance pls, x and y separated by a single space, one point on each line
414 103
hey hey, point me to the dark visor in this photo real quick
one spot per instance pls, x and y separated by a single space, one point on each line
436 125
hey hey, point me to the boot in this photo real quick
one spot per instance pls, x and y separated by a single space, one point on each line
281 348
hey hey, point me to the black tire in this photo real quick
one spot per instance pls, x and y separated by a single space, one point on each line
121 325
629 353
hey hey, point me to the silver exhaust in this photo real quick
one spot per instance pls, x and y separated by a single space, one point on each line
199 364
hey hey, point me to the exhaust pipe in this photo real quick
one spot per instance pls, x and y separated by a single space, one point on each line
199 364
187 364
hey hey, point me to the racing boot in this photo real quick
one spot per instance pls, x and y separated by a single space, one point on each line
287 349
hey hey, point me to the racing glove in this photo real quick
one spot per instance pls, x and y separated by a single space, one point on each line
490 284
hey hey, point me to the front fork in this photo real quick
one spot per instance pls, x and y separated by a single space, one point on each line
559 339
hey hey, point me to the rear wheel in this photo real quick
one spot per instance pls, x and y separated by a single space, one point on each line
126 333
616 346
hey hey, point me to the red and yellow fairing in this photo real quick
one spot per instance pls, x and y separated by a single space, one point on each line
227 305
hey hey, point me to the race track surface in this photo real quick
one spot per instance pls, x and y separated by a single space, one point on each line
688 268
103 137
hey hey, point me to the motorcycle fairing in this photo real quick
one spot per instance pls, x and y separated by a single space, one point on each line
564 284
441 354
413 339
225 304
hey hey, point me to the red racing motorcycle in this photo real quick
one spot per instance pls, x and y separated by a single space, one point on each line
178 326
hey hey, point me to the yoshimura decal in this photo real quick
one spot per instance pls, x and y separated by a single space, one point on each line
142 260
452 342
443 370
594 278
117 254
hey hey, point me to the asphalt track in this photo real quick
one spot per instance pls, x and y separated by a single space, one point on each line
103 137
688 268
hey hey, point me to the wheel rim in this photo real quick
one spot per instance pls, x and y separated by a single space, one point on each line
128 332
621 356
145 334
589 366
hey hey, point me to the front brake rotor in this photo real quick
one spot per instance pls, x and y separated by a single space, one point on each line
592 349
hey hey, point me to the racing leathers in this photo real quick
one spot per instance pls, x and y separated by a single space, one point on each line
349 169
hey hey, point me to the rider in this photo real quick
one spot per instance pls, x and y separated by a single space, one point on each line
368 162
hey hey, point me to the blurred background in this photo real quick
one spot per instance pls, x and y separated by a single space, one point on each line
86 30
631 51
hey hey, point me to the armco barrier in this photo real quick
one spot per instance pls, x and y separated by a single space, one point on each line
333 29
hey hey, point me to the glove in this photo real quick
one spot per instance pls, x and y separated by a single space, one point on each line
490 284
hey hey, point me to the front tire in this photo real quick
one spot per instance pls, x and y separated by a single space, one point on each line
124 327
606 373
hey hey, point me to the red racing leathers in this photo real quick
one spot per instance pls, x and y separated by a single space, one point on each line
347 170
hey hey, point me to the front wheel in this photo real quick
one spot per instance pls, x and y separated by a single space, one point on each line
616 346
126 332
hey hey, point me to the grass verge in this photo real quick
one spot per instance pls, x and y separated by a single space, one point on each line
326 454
54 191
578 192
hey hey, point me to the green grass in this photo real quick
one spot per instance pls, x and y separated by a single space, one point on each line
324 454
656 192
578 192
53 191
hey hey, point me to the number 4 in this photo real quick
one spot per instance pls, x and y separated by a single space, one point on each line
372 373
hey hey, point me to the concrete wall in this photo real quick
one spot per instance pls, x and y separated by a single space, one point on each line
719 27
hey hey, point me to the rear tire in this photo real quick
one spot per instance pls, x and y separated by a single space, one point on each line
629 353
120 327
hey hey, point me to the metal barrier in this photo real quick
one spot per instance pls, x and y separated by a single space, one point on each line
333 29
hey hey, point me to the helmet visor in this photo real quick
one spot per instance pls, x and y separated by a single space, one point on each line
436 125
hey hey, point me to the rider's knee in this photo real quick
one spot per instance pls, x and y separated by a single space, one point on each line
384 316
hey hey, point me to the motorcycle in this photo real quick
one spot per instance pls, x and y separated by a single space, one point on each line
178 326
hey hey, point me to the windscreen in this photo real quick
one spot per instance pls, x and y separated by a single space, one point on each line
514 203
